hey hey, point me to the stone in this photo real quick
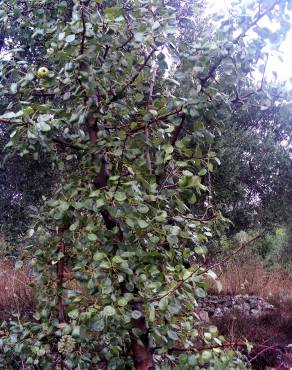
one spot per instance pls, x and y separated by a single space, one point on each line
249 305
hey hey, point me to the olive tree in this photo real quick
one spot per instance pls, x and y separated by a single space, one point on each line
133 108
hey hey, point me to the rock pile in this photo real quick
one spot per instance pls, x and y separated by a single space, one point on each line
219 305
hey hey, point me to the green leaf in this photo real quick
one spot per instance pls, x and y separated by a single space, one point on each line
92 237
76 331
200 250
161 216
13 88
43 126
108 311
136 314
172 335
122 302
117 259
163 304
94 194
143 224
143 209
30 233
130 222
200 293
73 314
99 203
18 265
120 197
99 256
113 12
202 172
70 38
151 313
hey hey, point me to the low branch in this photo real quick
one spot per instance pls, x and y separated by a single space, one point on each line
226 259
204 270
64 143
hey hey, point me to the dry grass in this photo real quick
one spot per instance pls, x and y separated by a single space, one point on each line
15 292
251 277
272 330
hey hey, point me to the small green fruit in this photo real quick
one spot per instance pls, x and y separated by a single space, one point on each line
43 72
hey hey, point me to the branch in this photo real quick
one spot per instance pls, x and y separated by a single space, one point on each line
242 98
120 94
155 120
180 283
177 131
243 246
235 344
214 67
129 39
203 218
64 143
106 52
257 19
204 348
212 70
83 33
150 100
9 122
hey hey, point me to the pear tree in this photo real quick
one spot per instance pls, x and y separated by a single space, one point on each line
131 108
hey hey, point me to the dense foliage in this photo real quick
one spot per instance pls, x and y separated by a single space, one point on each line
133 106
23 184
252 185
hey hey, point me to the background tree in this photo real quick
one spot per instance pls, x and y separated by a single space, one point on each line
252 184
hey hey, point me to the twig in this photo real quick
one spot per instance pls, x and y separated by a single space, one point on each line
63 142
83 33
177 131
120 93
155 120
60 301
150 100
243 246
265 349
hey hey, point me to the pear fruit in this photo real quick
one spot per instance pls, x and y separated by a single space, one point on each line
43 72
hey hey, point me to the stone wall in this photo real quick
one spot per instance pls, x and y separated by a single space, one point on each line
219 305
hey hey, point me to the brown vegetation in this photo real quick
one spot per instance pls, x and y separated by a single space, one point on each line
250 277
15 291
269 334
